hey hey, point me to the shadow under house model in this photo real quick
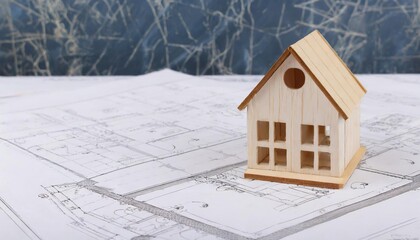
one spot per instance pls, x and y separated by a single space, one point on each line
304 118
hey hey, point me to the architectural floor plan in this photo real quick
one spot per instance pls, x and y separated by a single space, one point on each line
162 156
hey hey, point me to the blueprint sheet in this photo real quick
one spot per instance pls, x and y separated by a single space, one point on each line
162 156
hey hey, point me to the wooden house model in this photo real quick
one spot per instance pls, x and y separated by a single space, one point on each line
303 118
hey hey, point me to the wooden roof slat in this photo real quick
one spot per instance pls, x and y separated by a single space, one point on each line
342 62
327 69
326 74
320 79
346 79
337 76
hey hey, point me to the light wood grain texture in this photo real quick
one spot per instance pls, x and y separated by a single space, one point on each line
352 134
275 102
307 179
316 104
327 69
330 71
349 72
264 80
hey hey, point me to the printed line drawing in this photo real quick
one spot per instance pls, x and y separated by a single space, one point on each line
119 161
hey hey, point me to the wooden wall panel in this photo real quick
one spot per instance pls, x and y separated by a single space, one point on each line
275 102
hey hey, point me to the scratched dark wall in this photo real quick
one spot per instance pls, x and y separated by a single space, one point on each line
126 37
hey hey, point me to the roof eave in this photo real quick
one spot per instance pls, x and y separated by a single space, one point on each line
263 81
320 86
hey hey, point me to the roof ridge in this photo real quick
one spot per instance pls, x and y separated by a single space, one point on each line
339 93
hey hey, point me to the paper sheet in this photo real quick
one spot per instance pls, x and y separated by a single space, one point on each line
162 156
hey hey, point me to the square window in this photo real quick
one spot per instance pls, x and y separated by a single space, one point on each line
307 134
262 130
324 160
279 131
263 155
280 157
306 159
324 135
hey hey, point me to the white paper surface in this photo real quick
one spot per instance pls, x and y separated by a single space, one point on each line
162 156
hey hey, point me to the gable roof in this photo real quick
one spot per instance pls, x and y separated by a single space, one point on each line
327 69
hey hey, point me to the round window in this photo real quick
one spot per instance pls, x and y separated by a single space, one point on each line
294 78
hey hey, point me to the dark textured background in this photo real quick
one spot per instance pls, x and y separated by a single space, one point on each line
120 37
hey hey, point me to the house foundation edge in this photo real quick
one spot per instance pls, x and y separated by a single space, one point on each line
308 179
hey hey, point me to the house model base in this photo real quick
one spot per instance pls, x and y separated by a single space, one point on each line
306 179
303 118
